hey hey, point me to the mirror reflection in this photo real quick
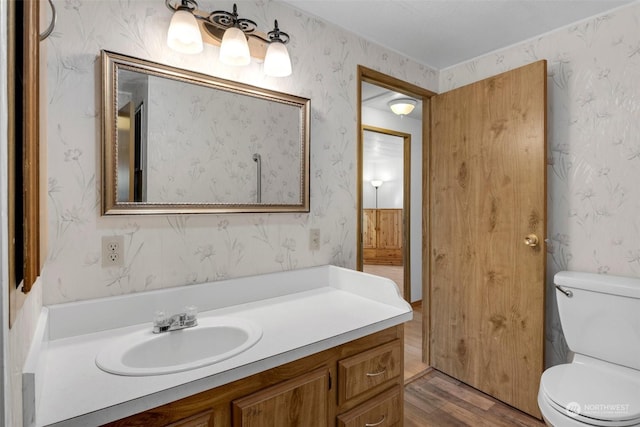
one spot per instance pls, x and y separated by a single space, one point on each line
192 143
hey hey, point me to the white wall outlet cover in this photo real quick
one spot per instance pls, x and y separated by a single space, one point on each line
112 251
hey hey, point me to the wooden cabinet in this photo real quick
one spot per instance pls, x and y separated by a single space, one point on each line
382 236
203 419
370 383
367 370
300 402
382 410
357 383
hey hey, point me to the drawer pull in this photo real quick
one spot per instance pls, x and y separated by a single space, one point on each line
375 374
375 424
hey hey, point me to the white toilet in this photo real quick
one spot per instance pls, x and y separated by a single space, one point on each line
600 316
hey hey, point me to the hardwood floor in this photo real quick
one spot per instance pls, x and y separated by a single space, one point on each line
437 400
413 366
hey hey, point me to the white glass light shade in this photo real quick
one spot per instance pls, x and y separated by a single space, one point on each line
277 62
377 182
402 106
234 49
184 34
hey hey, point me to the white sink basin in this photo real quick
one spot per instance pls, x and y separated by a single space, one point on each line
144 353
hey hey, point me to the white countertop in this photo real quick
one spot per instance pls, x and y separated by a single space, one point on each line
329 306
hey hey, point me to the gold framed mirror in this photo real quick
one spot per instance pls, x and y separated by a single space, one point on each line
23 152
177 141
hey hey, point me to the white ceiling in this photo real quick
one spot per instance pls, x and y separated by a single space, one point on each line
381 148
442 33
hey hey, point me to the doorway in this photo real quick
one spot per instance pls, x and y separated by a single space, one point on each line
416 191
386 188
483 190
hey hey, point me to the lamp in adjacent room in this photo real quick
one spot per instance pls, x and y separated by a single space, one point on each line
376 184
239 38
402 106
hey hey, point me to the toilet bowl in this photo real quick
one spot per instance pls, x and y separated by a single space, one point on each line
600 317
590 392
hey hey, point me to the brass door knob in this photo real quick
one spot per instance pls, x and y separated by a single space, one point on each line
531 240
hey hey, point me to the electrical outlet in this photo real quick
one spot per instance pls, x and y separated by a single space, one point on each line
112 251
314 239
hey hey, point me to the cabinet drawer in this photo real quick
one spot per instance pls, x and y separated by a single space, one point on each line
383 410
203 419
364 371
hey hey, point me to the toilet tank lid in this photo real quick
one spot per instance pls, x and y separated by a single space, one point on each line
603 283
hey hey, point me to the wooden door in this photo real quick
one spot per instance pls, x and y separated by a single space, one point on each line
300 402
126 150
488 193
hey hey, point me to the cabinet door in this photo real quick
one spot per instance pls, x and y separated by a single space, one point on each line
300 402
369 228
390 228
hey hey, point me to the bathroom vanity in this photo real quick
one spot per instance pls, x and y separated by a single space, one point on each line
358 383
330 353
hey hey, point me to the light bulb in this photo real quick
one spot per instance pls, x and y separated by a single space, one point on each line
234 49
277 62
184 34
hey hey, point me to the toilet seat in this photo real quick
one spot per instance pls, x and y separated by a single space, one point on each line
561 418
603 394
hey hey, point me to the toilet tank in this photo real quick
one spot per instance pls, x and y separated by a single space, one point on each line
602 317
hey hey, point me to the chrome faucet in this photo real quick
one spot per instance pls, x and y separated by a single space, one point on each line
186 319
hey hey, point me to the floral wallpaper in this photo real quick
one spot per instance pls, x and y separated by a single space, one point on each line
202 143
594 154
164 251
593 145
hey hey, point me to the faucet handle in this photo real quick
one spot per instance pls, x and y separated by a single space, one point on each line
191 311
160 318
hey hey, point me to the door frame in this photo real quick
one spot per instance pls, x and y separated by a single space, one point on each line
380 79
406 201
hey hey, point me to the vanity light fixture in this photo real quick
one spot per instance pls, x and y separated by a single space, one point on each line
402 106
184 34
277 62
238 38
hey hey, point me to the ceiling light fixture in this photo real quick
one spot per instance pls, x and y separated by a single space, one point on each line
402 106
238 38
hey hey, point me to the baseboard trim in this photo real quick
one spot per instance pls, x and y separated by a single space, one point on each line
418 375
